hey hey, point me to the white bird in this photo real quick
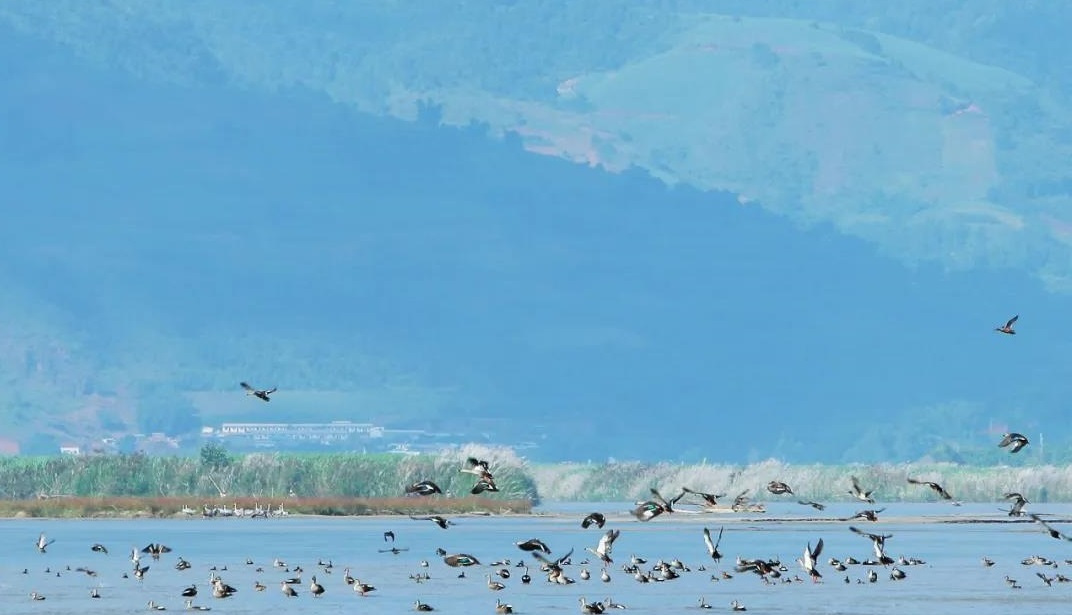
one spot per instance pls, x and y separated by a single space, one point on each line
810 559
606 543
712 546
42 543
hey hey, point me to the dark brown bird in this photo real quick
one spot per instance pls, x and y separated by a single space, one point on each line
533 544
870 515
1019 501
935 486
261 394
597 518
424 487
442 522
778 488
1007 329
1053 532
710 499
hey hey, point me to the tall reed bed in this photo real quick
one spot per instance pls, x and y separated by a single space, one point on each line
79 507
632 481
262 475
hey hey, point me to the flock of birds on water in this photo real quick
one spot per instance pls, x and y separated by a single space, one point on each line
557 570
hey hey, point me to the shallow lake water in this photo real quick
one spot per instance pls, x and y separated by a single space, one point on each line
950 540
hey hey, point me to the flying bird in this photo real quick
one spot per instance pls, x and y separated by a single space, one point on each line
1015 441
778 488
870 515
1052 531
533 544
424 487
649 509
1019 501
442 522
1007 329
815 505
712 546
99 548
935 486
710 499
597 518
42 543
606 543
258 393
878 541
809 560
858 492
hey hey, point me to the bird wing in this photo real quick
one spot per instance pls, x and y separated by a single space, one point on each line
707 541
1005 441
818 550
246 386
856 485
1012 321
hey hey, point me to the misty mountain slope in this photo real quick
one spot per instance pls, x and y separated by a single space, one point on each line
172 238
929 128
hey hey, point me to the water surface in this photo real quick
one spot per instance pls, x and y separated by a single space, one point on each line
952 580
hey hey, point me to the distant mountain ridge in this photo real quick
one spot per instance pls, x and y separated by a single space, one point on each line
181 224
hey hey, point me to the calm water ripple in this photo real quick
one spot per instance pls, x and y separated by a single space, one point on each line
952 581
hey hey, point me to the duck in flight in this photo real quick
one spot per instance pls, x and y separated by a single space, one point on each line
858 492
712 545
442 522
778 488
1052 531
935 486
815 505
1015 441
606 544
710 499
533 544
596 518
1007 329
810 559
1019 501
649 509
424 487
878 541
261 394
42 542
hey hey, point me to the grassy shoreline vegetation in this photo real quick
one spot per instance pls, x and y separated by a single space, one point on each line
373 484
338 483
626 481
140 507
